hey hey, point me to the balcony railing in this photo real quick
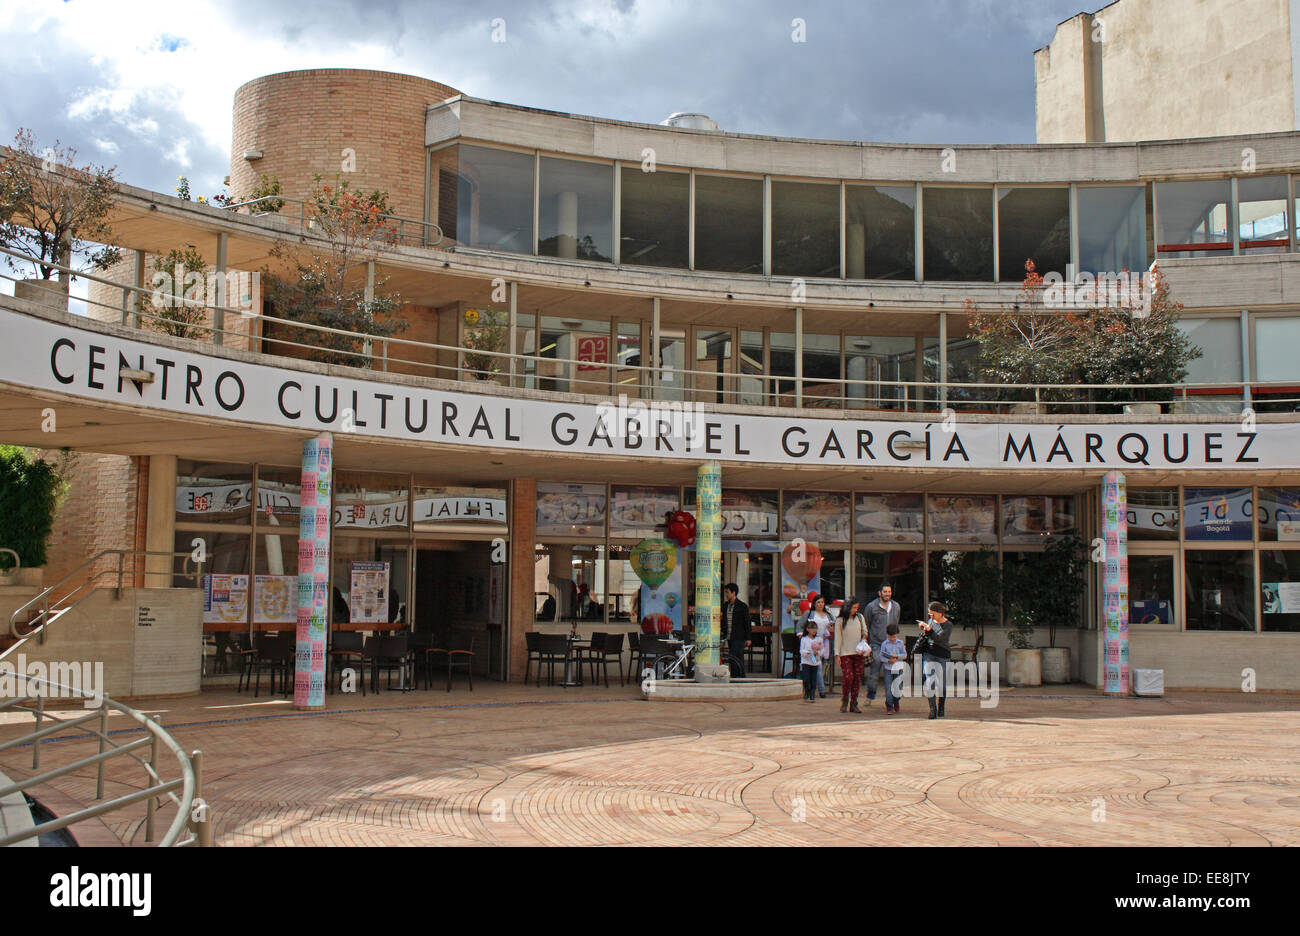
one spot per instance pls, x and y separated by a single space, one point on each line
287 338
407 231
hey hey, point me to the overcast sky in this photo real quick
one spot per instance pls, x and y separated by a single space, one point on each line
147 86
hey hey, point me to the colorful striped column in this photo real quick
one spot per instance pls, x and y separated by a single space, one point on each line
1114 526
708 558
313 571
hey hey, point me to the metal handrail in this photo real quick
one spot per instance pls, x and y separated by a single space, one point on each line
192 813
305 222
52 610
906 392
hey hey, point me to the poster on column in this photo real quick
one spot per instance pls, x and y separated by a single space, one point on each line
368 596
801 563
1114 524
313 571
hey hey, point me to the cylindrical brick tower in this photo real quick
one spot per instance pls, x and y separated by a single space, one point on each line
364 126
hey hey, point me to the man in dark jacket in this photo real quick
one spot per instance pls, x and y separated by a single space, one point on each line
882 612
736 631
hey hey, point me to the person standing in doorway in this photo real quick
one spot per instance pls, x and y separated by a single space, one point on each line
882 612
852 635
735 621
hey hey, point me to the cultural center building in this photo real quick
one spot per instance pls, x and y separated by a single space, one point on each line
598 308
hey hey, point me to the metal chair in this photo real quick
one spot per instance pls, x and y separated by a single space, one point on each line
391 654
422 645
271 654
533 645
346 647
611 648
460 655
552 649
789 651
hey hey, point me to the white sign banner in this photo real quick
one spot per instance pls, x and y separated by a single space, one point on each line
47 356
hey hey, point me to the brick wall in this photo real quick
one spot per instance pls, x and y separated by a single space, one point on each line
303 120
104 509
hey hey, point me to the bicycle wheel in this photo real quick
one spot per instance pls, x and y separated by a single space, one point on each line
662 664
737 668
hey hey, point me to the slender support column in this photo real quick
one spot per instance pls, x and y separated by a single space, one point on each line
130 299
218 316
160 522
514 331
708 557
798 357
1114 524
523 567
367 346
943 360
314 519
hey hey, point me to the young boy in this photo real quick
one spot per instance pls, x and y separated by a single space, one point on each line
892 653
811 659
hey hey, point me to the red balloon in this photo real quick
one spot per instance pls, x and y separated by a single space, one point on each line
656 624
805 606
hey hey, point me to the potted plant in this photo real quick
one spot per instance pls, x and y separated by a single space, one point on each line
1047 588
972 589
1024 660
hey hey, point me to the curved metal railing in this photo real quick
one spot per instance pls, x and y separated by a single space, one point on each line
430 234
185 791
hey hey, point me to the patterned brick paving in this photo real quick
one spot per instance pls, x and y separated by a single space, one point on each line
515 765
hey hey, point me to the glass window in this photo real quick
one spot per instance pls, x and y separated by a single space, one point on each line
376 570
957 227
948 568
494 200
672 361
1262 221
627 352
570 509
211 492
874 366
1153 513
1151 591
1220 342
889 518
805 229
963 518
1217 514
655 218
744 513
753 389
567 580
575 210
370 500
821 370
441 509
1032 519
1279 515
904 570
1220 589
278 496
880 231
781 365
639 511
728 224
816 516
227 554
1033 224
1279 574
1112 228
1192 218
579 353
1275 342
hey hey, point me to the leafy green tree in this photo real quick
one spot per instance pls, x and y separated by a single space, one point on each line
31 490
166 309
1046 588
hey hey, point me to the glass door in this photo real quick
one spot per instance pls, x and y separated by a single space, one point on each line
1154 587
715 351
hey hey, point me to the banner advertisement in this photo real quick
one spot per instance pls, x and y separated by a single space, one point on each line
801 564
1114 525
275 599
225 602
313 570
708 559
368 593
1281 597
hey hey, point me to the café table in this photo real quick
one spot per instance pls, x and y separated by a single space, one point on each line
572 666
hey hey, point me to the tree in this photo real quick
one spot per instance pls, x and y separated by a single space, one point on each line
972 589
486 330
31 490
1046 588
325 282
54 211
167 309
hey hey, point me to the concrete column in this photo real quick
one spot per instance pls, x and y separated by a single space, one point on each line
130 299
855 255
218 316
566 225
523 523
160 521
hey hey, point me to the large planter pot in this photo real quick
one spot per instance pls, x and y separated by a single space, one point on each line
987 655
1025 667
1056 664
50 294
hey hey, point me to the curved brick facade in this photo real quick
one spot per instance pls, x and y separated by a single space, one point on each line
303 120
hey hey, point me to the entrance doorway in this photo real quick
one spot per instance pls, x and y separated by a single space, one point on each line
460 589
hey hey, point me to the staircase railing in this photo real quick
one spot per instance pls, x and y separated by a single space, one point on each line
31 618
185 791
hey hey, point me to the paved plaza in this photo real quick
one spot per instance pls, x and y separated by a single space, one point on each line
516 765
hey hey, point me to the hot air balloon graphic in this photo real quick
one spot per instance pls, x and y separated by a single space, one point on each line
670 599
653 560
801 561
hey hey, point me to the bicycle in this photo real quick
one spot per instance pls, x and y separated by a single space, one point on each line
681 664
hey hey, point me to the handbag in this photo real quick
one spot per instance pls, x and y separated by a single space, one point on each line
863 648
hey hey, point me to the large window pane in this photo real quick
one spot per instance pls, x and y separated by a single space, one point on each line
880 231
1220 342
1153 513
575 355
1217 514
370 500
903 570
570 509
1263 226
1112 228
442 509
1276 340
1033 224
575 210
816 516
655 218
380 603
1033 519
639 512
1220 589
744 514
821 370
1279 515
1192 217
889 518
963 518
494 200
728 224
874 365
781 365
569 582
1279 575
805 229
212 492
958 234
1151 591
